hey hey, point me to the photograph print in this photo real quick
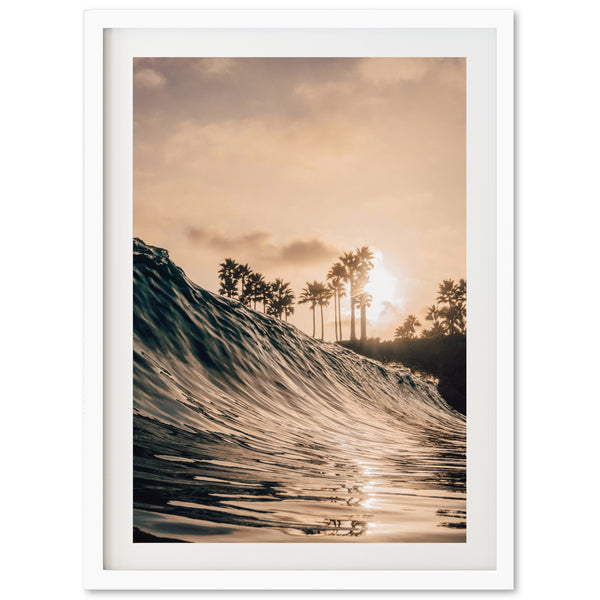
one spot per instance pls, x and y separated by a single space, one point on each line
299 300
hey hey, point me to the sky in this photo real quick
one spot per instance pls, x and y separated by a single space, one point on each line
285 163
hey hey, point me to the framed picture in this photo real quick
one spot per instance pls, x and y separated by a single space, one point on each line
298 351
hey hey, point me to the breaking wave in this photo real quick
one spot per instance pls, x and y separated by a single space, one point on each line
246 429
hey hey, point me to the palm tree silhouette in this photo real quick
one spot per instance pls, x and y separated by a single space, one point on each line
406 331
264 294
460 298
324 293
364 301
365 264
288 310
253 288
453 297
433 314
242 272
281 298
446 292
309 295
351 263
287 298
336 283
228 278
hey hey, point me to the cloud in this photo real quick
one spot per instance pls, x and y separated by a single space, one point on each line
149 78
266 149
259 245
217 66
391 71
306 251
249 241
328 91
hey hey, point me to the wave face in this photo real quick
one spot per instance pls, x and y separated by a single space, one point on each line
248 430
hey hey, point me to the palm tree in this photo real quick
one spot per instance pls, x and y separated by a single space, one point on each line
272 302
274 308
264 294
281 299
324 293
453 297
242 272
365 264
406 331
309 295
436 330
364 301
336 283
287 300
446 294
461 291
333 287
452 318
288 310
253 288
433 314
412 323
333 291
460 298
228 278
351 263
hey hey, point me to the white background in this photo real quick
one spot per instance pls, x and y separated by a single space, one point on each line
557 214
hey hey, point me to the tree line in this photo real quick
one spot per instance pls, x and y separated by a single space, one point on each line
240 282
448 316
346 277
349 274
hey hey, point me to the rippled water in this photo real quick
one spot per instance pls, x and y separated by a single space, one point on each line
247 430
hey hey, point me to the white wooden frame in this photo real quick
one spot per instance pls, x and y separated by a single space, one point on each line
96 576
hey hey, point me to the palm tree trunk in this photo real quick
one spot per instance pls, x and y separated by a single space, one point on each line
322 334
335 315
340 317
313 312
352 318
363 322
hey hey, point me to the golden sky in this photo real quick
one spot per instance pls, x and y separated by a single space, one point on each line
285 163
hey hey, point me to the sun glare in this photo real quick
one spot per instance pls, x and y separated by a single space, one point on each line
383 286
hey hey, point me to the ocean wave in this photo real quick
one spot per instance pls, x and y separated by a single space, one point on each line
246 429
